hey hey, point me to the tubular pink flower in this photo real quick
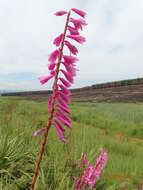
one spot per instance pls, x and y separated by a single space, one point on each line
61 102
64 109
45 79
70 59
64 97
65 83
64 89
78 23
79 12
59 132
59 125
38 132
87 175
77 38
70 68
61 13
68 76
73 31
66 123
61 113
71 48
53 56
57 41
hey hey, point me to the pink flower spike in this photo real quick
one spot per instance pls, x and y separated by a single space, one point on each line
65 109
64 89
38 132
57 41
77 38
79 12
59 131
78 23
68 76
73 31
100 164
71 48
59 125
53 56
70 59
45 79
64 116
51 65
65 83
61 13
63 121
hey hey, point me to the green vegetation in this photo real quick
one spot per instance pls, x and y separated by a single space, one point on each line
117 127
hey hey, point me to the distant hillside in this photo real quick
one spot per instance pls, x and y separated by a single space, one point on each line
117 91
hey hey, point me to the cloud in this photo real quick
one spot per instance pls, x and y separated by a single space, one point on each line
113 50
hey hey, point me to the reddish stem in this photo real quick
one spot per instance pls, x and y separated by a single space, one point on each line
51 113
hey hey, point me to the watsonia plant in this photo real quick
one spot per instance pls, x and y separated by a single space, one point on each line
63 69
90 173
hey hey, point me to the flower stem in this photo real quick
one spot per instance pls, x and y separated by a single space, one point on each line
51 113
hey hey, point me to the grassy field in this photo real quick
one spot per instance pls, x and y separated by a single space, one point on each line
117 127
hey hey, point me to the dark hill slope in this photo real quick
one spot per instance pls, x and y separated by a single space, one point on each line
118 91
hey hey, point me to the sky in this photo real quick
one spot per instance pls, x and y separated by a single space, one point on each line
113 50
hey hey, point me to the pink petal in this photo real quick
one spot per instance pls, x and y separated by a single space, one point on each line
63 121
59 125
64 89
78 23
71 48
38 132
53 72
87 175
53 56
70 68
68 76
79 12
59 131
64 97
58 40
77 38
77 183
64 109
66 83
51 65
45 79
60 101
64 116
70 59
61 13
73 31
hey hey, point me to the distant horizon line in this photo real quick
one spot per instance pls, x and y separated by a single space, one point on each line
2 91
